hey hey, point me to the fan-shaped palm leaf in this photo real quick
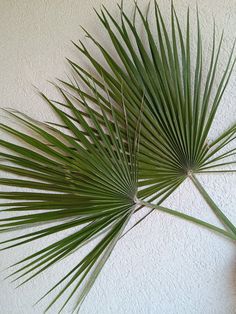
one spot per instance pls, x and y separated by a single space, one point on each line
179 104
90 183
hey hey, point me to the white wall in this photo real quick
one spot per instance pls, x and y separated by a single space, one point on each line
164 266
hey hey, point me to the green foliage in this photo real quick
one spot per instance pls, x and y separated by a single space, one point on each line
95 174
179 104
131 137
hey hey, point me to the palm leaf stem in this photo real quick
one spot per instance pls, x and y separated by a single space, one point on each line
187 217
221 216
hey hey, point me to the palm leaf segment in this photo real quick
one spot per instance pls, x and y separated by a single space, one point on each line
179 102
89 176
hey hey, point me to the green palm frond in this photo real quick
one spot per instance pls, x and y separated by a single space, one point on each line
127 140
86 180
180 104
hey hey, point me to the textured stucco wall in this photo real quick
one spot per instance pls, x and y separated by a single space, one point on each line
164 266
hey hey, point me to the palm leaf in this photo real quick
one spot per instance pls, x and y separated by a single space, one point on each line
179 106
95 176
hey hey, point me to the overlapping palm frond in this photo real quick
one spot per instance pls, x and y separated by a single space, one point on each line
128 140
85 181
181 98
